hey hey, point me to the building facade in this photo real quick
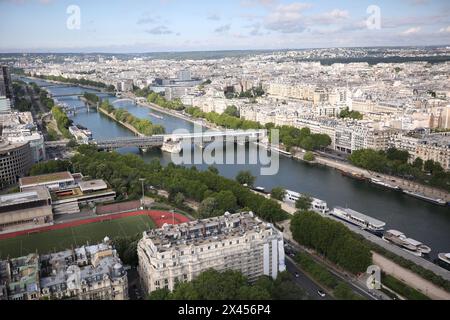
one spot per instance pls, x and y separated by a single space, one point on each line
85 273
25 210
15 162
238 242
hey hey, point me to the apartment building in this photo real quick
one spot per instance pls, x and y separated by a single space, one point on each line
238 241
85 273
434 147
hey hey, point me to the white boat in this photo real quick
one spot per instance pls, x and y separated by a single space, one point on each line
172 147
407 244
423 197
358 219
444 260
259 189
384 184
317 205
445 257
157 116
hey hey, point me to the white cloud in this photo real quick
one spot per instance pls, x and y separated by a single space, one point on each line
445 30
287 18
411 31
213 17
223 29
159 30
253 3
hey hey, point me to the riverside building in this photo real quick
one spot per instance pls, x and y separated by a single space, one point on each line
240 242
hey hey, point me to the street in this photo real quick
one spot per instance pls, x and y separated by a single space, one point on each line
304 282
356 287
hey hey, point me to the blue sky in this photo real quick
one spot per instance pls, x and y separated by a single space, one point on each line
185 25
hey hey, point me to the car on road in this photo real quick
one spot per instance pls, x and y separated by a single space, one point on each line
297 275
321 293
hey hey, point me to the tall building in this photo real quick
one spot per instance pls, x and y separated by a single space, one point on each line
6 91
6 79
15 161
184 75
239 242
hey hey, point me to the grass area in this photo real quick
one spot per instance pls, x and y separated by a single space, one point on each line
340 290
402 289
58 240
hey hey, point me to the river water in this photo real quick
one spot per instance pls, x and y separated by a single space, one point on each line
420 220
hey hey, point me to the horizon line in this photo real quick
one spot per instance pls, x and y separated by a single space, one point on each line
222 50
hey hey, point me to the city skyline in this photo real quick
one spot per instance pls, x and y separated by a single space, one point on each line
55 26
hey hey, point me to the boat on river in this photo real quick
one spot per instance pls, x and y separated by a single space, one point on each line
425 198
386 185
398 238
358 219
157 116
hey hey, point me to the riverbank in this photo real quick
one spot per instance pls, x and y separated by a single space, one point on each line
126 125
404 184
346 167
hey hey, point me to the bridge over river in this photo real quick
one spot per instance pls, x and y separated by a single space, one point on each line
172 142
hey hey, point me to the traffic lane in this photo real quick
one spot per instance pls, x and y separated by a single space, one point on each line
353 285
305 282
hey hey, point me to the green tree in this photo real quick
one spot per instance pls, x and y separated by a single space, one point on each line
179 199
278 193
309 156
226 201
303 203
161 294
213 169
331 239
208 208
245 177
232 111
418 163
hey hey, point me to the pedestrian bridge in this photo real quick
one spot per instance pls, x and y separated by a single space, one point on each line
172 142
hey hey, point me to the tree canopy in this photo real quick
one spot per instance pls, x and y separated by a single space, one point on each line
232 285
331 239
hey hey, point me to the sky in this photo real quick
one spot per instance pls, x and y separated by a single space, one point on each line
133 26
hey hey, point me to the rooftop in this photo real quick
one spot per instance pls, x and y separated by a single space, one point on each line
92 185
36 194
363 217
206 231
46 178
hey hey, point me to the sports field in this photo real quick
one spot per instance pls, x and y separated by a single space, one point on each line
57 240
